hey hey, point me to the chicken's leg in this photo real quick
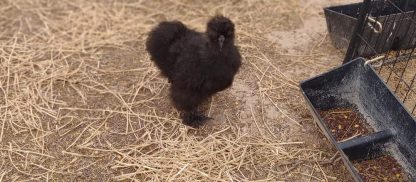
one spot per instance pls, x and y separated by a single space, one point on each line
194 118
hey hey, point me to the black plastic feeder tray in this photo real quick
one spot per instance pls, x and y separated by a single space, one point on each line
396 27
357 85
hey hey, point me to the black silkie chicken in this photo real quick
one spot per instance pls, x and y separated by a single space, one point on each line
197 65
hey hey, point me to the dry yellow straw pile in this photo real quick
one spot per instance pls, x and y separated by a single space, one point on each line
80 100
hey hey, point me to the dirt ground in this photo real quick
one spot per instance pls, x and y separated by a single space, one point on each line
81 101
400 79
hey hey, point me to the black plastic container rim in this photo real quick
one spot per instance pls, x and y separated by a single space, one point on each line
363 60
331 8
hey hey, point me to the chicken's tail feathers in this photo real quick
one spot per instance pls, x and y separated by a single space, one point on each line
162 37
159 42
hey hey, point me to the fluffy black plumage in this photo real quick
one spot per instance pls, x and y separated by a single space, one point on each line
197 65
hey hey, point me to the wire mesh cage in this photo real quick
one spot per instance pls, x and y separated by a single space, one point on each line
386 33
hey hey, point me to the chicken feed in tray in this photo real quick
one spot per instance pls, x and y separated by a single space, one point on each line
345 123
349 123
382 168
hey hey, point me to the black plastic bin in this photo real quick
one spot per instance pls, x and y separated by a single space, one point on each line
397 27
358 85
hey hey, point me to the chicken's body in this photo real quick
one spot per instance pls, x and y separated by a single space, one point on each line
198 65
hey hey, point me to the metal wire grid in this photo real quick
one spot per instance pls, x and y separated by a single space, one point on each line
387 28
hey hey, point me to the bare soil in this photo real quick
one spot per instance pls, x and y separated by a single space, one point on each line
400 77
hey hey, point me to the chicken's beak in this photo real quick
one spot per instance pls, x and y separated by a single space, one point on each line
221 41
